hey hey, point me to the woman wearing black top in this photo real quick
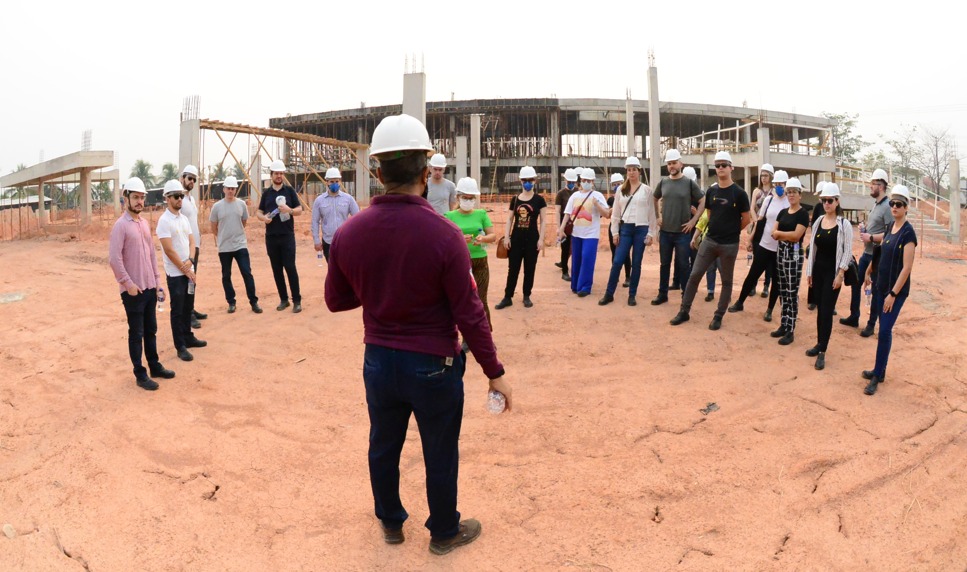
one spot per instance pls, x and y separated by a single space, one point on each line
829 257
817 212
791 225
524 238
897 254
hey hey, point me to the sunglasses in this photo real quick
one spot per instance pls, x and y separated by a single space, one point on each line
829 200
897 204
722 165
177 197
192 179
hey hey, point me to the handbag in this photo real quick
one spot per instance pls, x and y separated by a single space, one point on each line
760 226
502 251
569 225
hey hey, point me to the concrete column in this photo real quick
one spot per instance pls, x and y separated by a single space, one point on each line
555 135
954 187
255 173
746 173
764 142
189 151
414 95
795 139
85 192
461 159
654 128
475 148
630 126
362 168
41 206
116 195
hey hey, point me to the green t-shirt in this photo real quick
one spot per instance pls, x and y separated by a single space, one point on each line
472 223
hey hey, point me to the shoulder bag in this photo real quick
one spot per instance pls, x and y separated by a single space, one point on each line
569 225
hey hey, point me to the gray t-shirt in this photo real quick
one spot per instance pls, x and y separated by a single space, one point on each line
231 232
441 195
677 197
877 221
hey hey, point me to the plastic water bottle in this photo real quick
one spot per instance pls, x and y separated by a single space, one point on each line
795 251
869 295
281 201
272 214
319 258
496 402
161 299
748 259
191 288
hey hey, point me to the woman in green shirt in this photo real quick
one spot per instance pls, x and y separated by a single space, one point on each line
477 229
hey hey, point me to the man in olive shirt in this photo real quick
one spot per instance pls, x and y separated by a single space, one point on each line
676 193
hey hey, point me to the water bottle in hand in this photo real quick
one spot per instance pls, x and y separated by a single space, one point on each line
748 259
281 201
496 402
869 295
161 299
319 258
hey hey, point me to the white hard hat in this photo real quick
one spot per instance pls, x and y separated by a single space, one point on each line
690 173
901 191
571 175
617 178
134 185
781 177
881 175
190 170
587 173
277 166
467 186
173 186
794 184
333 173
400 133
830 190
767 167
230 182
723 156
820 185
527 172
632 162
672 155
438 160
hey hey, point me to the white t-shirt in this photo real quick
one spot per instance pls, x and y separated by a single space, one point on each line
773 206
177 228
190 211
587 223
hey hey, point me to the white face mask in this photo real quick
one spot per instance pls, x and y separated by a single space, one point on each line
587 185
466 204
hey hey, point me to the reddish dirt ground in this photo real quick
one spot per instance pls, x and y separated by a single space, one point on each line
254 456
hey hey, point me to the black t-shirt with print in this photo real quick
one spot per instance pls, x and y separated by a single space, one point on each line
725 212
525 217
786 222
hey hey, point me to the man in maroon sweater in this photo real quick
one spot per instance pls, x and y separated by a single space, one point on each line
415 292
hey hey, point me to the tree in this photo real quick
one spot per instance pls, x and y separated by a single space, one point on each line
846 143
142 170
169 171
905 147
217 172
239 171
934 155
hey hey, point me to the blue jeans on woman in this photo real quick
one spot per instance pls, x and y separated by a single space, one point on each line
584 252
885 342
631 242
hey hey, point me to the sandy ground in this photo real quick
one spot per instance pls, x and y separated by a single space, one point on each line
254 456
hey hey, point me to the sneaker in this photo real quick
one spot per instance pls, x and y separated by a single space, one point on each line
787 339
195 324
565 276
710 296
185 355
527 302
767 317
632 301
161 372
297 308
145 382
256 308
392 535
867 331
870 389
503 304
821 360
606 299
778 333
659 300
765 293
715 324
198 315
680 318
469 531
812 352
194 342
736 308
231 308
850 321
282 305
811 307
626 284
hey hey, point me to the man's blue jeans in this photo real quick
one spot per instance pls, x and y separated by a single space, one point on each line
679 244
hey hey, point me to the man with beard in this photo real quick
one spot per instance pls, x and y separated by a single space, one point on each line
229 217
135 265
278 205
189 209
676 194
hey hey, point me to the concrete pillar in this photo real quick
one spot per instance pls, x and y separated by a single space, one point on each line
795 139
85 196
630 126
414 95
362 168
461 159
116 195
954 187
747 182
475 148
189 151
555 135
764 143
255 173
654 128
41 205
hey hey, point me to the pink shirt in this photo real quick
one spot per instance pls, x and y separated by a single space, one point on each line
132 255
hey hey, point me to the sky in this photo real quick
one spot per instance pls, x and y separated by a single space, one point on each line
122 69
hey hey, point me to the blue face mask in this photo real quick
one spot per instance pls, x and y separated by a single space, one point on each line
570 185
780 191
528 185
334 187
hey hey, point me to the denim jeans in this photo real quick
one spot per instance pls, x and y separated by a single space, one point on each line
631 242
241 257
679 244
884 342
399 383
142 328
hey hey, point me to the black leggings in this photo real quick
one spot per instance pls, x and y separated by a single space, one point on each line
826 298
763 261
522 250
